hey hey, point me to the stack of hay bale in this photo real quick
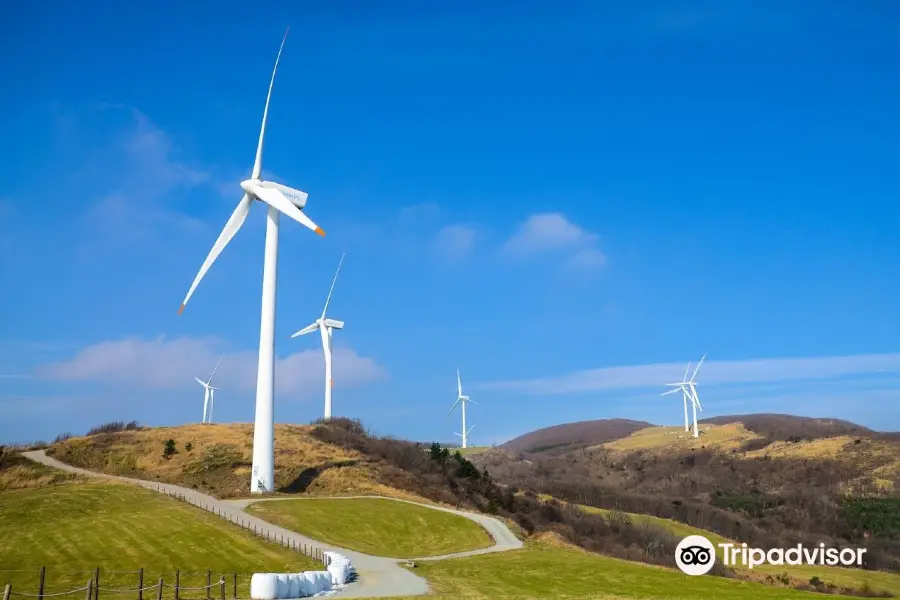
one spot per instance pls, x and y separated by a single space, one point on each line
283 586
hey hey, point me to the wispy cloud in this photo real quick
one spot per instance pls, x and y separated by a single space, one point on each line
164 364
455 242
554 232
714 373
135 169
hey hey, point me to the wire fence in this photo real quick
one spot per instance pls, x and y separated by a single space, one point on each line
124 584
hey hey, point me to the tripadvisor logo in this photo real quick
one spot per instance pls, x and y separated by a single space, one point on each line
696 555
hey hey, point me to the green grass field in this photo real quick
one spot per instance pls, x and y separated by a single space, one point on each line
839 576
376 525
543 571
73 529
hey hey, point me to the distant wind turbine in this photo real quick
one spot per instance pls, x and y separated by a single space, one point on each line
462 400
689 391
325 327
209 393
279 199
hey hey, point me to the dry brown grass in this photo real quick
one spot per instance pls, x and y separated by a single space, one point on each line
877 460
724 437
820 448
220 459
18 473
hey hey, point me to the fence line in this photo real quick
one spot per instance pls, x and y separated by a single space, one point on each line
308 550
93 588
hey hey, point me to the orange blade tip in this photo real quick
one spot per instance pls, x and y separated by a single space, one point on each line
320 231
181 309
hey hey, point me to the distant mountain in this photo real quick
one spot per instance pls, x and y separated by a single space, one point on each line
567 435
791 427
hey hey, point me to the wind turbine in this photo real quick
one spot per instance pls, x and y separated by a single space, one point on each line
280 199
209 392
689 390
325 327
462 400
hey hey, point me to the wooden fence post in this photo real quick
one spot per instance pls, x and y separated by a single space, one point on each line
159 588
235 585
41 583
97 583
208 583
222 588
177 582
90 590
7 591
141 584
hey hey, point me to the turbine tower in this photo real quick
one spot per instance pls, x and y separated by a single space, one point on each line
325 327
208 393
689 391
462 400
279 199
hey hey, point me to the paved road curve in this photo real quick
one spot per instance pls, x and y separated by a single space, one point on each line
378 576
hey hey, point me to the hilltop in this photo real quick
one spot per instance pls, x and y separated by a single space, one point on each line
570 435
731 481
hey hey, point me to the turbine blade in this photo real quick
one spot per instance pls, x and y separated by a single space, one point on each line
234 223
458 383
327 300
450 412
695 397
307 329
688 368
672 391
334 324
200 381
470 429
279 201
215 368
472 401
257 164
698 367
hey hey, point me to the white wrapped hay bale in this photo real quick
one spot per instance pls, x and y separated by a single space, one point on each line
264 586
340 572
294 586
283 585
339 568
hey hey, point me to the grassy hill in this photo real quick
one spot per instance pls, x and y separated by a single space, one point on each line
543 570
217 458
376 525
769 494
73 529
836 577
573 434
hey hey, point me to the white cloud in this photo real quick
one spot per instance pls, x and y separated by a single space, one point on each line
138 171
713 373
554 232
588 259
547 231
164 364
455 242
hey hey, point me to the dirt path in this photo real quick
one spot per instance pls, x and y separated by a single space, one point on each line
377 576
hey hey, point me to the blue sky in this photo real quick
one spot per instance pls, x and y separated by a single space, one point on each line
567 203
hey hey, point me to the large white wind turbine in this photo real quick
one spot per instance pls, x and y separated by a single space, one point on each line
461 400
280 199
208 393
325 327
688 388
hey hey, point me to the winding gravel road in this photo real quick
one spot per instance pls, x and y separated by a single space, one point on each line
377 576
